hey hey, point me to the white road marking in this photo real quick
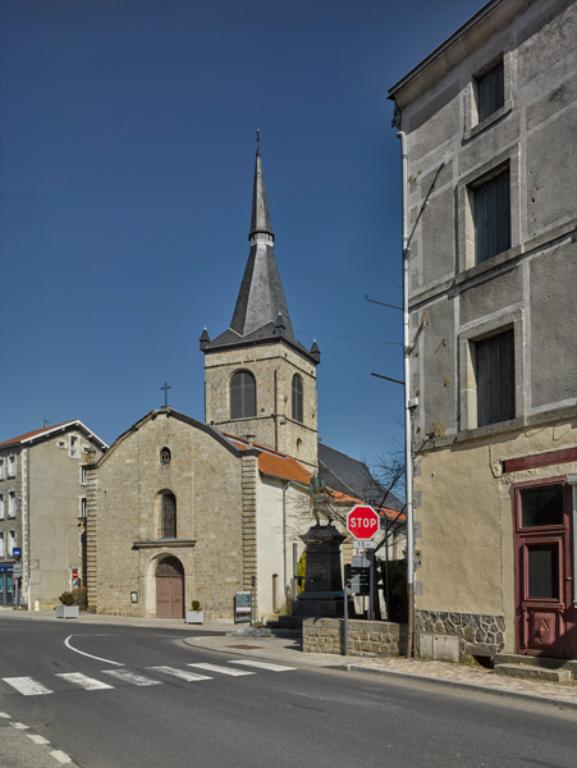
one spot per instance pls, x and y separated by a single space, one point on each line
27 686
37 738
60 756
262 665
89 655
130 677
88 683
5 716
181 674
20 726
222 670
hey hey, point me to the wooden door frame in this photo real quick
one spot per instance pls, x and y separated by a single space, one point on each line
561 534
182 576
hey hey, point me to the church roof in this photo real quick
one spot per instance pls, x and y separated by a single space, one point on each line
261 311
353 478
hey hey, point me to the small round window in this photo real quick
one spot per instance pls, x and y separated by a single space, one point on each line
165 456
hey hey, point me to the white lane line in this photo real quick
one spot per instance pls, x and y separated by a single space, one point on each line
61 756
181 674
5 716
90 655
83 681
20 726
130 677
27 686
262 665
221 670
37 738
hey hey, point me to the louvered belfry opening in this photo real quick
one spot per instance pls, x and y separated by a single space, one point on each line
297 398
168 515
242 395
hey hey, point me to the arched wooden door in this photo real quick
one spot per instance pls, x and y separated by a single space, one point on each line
170 589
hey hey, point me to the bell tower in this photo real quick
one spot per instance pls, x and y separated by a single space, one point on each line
260 381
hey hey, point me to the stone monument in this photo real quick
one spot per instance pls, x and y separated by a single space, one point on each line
323 591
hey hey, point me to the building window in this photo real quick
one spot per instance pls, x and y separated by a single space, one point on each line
242 395
167 515
542 506
82 509
490 91
11 541
2 544
83 476
491 207
2 469
297 398
165 456
74 447
495 377
12 504
11 466
1 506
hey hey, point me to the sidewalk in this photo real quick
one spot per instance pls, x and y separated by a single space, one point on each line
477 678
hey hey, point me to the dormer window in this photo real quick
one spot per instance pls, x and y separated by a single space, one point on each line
242 395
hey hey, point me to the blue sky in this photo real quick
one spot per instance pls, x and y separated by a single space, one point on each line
127 156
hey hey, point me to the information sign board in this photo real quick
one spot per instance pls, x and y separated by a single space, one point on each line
242 607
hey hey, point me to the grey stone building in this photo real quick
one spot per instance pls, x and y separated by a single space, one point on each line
43 512
490 122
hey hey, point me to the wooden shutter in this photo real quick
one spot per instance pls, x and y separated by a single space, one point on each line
297 398
242 395
495 373
491 91
492 215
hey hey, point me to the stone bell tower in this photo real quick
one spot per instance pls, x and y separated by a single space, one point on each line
260 382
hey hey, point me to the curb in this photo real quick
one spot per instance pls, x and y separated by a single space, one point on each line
534 697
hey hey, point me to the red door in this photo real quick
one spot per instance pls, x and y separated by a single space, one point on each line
170 589
546 618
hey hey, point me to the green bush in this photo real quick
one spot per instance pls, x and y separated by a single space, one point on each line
196 606
80 598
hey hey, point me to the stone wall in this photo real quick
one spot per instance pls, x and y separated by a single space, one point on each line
366 638
452 636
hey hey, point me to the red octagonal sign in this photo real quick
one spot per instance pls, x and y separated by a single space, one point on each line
362 522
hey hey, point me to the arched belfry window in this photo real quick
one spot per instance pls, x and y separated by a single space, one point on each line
297 398
242 395
167 517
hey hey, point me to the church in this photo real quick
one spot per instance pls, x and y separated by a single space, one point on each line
180 510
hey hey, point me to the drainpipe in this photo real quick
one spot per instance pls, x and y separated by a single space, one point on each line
407 404
572 480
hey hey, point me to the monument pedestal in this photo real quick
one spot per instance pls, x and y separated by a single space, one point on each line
323 593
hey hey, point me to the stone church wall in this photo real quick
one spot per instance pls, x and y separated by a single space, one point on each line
205 477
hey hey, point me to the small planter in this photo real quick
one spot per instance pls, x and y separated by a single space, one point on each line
67 611
194 617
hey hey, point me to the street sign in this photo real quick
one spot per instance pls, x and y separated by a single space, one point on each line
362 522
16 552
362 545
17 570
360 580
242 607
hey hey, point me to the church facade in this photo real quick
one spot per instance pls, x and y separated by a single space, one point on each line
180 510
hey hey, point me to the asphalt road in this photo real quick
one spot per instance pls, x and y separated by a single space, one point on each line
295 717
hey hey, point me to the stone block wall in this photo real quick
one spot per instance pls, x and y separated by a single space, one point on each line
452 636
366 638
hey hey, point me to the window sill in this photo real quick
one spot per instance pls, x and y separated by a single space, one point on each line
485 266
475 130
490 429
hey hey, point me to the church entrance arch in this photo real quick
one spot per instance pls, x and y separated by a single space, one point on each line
169 579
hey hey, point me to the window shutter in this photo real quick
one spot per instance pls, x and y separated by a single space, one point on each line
236 397
242 395
506 376
483 365
297 398
491 91
495 373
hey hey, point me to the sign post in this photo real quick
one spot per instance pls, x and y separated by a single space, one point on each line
363 523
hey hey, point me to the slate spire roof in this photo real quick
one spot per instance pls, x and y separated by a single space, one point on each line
261 311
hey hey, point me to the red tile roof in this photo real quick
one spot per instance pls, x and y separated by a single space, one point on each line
34 433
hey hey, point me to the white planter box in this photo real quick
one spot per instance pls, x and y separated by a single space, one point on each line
194 617
67 611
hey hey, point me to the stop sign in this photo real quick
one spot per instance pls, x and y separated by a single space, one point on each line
362 522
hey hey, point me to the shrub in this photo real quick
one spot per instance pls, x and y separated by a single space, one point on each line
196 606
67 598
79 597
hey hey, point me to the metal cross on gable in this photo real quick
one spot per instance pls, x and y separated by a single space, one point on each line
165 387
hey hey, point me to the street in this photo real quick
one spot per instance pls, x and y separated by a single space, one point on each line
149 699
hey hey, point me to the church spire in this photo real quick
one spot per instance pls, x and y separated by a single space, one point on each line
260 222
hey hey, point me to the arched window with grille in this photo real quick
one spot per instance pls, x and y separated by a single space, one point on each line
167 516
297 398
242 395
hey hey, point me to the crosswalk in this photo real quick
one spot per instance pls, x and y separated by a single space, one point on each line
195 672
